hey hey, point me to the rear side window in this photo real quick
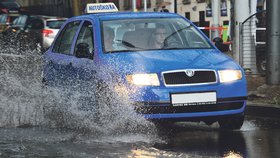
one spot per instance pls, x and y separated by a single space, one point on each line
65 38
55 24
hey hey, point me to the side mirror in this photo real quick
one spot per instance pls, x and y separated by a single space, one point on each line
83 51
219 44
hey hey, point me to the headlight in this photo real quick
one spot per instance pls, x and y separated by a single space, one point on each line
143 79
229 75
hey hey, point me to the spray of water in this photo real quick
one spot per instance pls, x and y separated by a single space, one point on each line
249 126
87 108
17 72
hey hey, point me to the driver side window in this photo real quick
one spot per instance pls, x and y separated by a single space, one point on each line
64 41
84 45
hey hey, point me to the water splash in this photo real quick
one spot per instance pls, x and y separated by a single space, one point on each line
18 71
25 102
248 126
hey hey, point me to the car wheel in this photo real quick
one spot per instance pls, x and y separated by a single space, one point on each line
232 123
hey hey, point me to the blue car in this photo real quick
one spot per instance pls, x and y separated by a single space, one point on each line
168 68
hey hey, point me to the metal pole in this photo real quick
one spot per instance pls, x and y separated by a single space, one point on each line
175 6
273 43
241 60
215 12
145 5
134 5
241 13
76 7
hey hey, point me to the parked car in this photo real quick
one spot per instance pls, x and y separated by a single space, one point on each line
6 20
51 28
35 30
8 4
182 77
8 12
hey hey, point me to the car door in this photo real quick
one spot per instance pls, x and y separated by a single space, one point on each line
84 52
58 61
84 67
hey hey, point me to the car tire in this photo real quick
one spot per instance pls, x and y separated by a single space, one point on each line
232 123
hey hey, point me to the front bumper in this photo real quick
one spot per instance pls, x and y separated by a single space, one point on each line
164 110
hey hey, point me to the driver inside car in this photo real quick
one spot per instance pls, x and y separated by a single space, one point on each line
158 38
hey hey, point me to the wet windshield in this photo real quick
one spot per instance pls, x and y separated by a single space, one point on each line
151 34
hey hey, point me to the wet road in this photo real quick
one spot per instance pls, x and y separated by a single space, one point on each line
259 137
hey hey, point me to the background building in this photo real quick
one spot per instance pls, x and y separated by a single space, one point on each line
68 8
200 12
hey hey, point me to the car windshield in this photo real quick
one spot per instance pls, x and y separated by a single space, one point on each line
151 34
55 24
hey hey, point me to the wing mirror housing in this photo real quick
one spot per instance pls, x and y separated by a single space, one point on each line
83 51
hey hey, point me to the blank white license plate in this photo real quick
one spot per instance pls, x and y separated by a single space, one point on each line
186 99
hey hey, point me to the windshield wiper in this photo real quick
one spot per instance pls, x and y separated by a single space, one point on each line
177 31
127 44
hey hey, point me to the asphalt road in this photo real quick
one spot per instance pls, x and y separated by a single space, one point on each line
259 137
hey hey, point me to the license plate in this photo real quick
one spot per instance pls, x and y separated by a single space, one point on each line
186 99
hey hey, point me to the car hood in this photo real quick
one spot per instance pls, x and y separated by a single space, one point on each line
167 60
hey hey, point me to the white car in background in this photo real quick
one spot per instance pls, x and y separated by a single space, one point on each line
52 26
34 30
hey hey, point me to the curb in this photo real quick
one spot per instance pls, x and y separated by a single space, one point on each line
262 110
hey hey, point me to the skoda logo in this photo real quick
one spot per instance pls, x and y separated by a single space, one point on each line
190 73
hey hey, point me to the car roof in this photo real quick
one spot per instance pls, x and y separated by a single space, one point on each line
55 19
127 15
44 17
49 17
9 5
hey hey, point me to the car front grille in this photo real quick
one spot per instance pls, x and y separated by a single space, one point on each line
189 109
180 77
